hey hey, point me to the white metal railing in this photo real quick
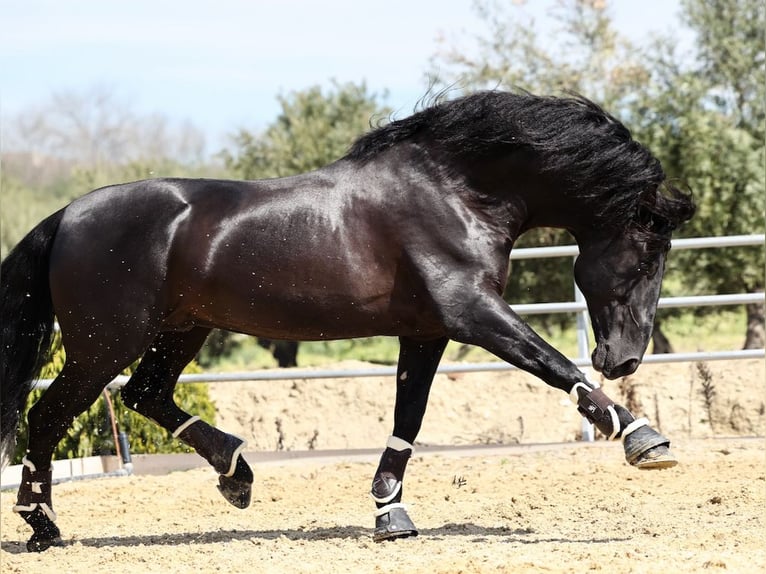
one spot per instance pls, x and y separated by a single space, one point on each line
577 306
687 243
362 372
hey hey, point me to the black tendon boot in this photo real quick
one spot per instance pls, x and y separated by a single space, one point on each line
391 518
644 447
223 452
35 507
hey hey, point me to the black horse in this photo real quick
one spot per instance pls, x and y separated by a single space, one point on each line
408 235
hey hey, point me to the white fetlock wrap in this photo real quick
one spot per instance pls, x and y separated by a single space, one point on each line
47 510
634 426
399 444
615 422
591 386
238 451
235 456
189 422
574 397
388 508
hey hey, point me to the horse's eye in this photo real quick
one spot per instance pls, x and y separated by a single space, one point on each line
647 268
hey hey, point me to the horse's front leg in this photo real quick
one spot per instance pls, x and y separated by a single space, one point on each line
491 324
417 365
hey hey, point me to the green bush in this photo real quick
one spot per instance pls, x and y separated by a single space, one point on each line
91 433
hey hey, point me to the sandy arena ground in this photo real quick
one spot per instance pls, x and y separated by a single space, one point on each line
514 508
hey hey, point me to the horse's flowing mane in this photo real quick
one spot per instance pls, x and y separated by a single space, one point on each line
590 153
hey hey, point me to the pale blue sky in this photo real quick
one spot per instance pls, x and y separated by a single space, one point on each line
221 63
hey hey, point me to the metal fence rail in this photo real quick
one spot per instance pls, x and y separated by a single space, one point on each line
367 372
679 244
578 306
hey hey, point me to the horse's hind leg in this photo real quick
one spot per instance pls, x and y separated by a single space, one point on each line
418 362
73 391
150 392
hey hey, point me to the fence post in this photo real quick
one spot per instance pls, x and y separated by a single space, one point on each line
583 352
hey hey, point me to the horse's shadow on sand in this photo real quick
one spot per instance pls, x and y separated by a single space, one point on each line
468 530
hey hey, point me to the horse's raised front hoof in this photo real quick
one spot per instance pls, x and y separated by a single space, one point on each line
658 457
46 533
237 488
647 449
393 524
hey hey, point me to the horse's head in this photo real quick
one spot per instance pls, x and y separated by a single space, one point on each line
620 270
620 276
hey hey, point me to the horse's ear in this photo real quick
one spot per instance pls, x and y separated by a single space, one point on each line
647 207
677 201
645 217
665 207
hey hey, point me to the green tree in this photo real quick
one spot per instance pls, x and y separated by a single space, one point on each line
731 57
313 129
705 120
588 55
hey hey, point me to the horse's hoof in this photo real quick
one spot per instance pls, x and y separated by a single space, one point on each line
40 544
393 524
237 493
647 449
658 457
237 488
46 533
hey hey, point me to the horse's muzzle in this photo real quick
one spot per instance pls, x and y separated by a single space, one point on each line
605 363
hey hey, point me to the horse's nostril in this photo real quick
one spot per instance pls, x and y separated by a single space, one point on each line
627 368
621 370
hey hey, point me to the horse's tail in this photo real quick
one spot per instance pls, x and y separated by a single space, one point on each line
26 325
